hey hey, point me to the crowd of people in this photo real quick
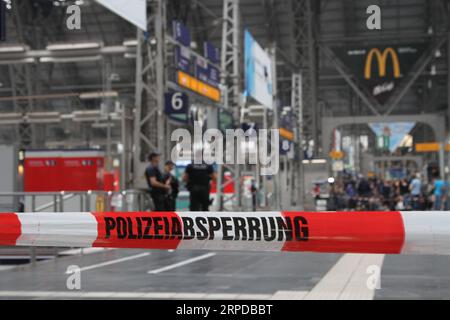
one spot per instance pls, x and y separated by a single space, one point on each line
412 192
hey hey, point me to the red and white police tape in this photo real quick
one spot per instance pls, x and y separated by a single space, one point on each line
349 232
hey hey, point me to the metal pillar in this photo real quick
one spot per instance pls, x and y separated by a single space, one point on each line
230 85
230 56
149 120
448 87
297 108
275 125
20 77
305 54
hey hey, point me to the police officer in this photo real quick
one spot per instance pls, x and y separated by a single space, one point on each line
170 179
157 186
198 178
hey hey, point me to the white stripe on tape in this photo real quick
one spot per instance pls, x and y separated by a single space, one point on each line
29 229
426 232
71 229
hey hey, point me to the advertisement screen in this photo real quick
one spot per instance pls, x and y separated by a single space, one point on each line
258 72
381 68
132 11
390 135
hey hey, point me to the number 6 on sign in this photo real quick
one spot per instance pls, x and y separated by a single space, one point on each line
176 103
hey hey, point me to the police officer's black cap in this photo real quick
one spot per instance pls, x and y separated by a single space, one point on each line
153 155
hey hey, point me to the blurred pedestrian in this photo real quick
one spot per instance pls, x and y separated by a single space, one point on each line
439 193
172 181
157 187
415 188
198 181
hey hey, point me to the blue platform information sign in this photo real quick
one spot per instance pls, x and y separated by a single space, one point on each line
181 33
212 53
176 103
183 59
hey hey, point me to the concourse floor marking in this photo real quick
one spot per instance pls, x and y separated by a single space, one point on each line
347 279
111 262
131 295
182 263
289 295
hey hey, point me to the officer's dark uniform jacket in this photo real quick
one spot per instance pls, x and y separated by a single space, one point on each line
158 194
199 179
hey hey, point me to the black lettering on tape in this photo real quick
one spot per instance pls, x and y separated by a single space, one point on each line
254 229
121 228
110 224
166 228
284 229
177 232
131 235
269 231
157 227
201 225
148 225
214 225
239 228
226 228
188 228
301 229
139 227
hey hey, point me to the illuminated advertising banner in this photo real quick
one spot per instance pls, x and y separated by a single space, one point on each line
197 86
258 72
133 11
380 68
390 135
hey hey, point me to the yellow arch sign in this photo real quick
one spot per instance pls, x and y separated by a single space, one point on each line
382 59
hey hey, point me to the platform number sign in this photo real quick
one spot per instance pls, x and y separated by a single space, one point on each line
176 103
285 146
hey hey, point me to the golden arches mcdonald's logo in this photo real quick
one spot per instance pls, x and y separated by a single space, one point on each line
382 59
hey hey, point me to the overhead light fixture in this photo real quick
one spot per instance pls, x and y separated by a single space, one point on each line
17 61
44 117
130 43
129 56
13 48
11 118
86 115
73 46
98 95
314 161
70 59
101 125
433 70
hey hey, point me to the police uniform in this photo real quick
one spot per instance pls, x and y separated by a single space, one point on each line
199 178
158 194
171 198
